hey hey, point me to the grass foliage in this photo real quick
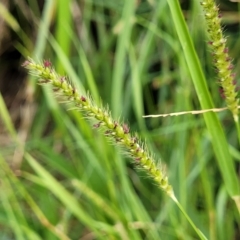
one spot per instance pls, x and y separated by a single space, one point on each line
62 179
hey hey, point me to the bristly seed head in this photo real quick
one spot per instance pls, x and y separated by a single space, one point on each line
118 132
222 61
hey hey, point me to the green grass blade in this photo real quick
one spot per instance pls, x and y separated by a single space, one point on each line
64 22
44 29
120 62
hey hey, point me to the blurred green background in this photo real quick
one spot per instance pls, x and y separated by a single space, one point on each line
60 178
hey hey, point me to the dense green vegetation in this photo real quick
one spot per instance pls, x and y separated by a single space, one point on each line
61 178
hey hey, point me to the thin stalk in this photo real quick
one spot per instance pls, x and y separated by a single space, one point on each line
200 234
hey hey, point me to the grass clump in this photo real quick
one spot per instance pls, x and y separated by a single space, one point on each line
67 181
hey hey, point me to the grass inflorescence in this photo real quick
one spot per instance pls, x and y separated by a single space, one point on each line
222 60
113 129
